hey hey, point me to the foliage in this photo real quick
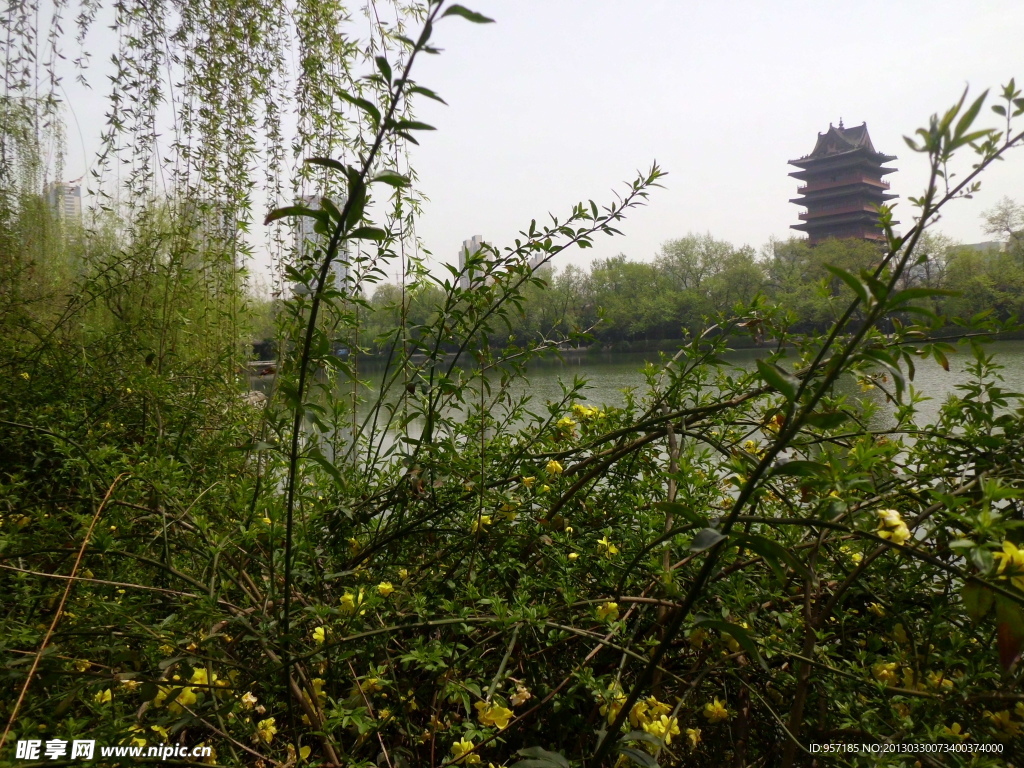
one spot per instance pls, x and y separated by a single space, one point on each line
728 568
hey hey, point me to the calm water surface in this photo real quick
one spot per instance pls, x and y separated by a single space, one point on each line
608 375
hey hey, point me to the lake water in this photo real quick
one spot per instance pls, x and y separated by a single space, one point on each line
607 375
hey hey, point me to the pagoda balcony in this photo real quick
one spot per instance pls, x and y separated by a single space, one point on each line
836 211
817 186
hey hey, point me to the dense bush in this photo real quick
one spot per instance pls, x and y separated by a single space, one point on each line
730 568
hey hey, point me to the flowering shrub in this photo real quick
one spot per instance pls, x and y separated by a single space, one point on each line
729 566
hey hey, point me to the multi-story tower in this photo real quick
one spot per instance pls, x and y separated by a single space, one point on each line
843 184
65 199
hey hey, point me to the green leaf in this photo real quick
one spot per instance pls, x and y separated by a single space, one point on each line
296 210
740 634
384 67
857 285
367 107
328 162
680 510
827 419
356 202
367 233
409 125
779 379
328 205
800 468
391 177
978 600
705 538
917 293
773 553
468 15
641 736
639 758
423 91
317 456
968 117
540 758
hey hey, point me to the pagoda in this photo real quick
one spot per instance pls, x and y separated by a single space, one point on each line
842 186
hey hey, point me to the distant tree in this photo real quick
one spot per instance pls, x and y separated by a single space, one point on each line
1005 220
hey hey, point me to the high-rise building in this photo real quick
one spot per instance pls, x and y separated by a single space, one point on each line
308 242
843 185
65 199
469 248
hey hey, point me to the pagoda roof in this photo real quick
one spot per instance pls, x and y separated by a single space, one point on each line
842 141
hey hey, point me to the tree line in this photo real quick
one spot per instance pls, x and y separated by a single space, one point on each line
698 277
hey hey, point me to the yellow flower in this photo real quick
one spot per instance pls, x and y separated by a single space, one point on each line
889 518
545 488
463 754
25 376
865 385
697 638
1003 722
186 698
693 736
480 524
521 696
663 728
130 685
384 588
899 634
614 699
585 411
885 672
876 609
892 527
606 548
938 680
1013 558
369 685
529 481
81 665
490 713
608 611
319 635
554 468
200 677
266 729
348 602
954 732
715 711
565 423
403 573
267 521
573 555
248 700
102 697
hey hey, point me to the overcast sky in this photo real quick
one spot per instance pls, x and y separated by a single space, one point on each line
559 101
563 100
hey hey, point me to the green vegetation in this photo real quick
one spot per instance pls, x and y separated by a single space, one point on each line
729 569
697 278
